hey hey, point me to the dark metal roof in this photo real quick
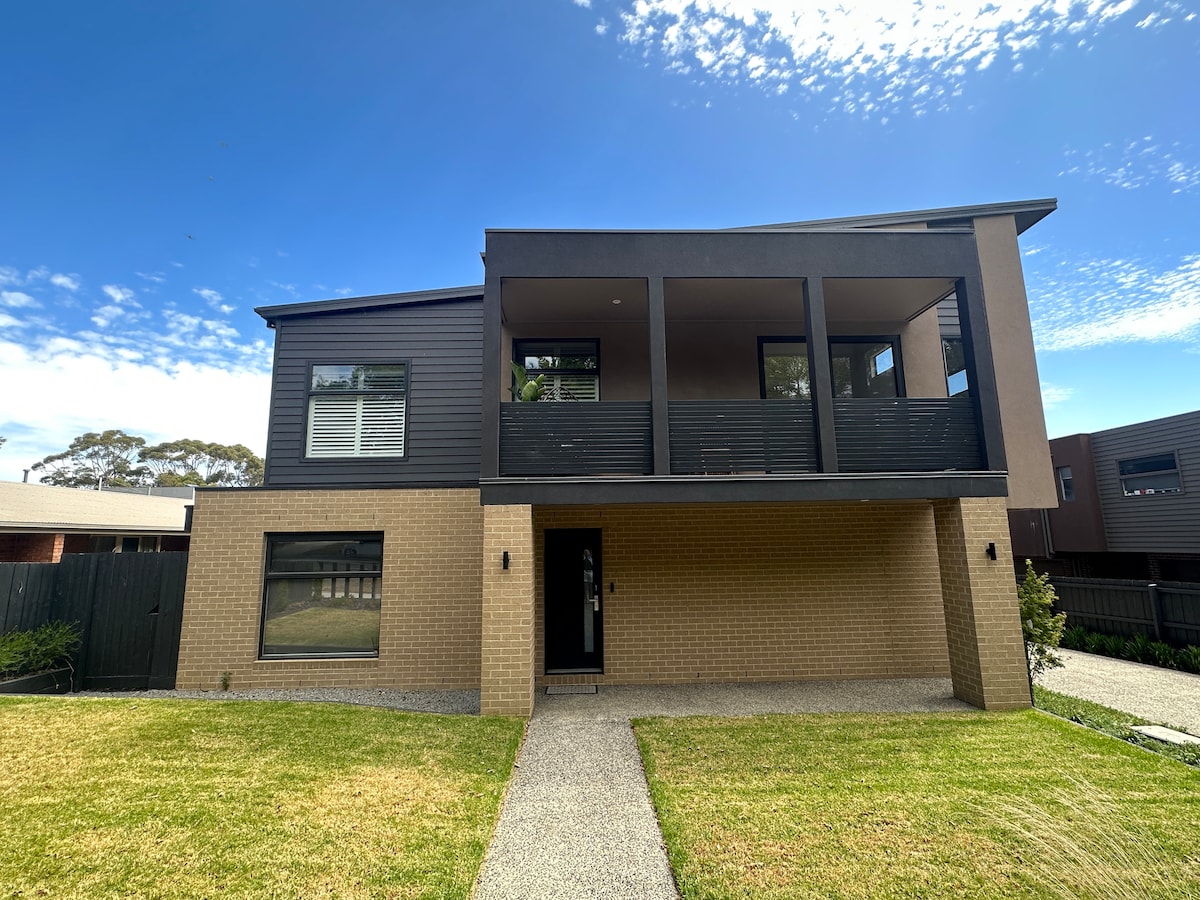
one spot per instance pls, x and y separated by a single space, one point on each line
316 307
1026 212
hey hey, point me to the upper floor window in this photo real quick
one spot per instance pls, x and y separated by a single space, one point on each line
784 369
1066 484
1157 474
357 410
956 366
570 368
865 368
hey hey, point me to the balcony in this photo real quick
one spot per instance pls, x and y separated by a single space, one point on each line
737 437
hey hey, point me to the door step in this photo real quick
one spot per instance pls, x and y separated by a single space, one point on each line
552 689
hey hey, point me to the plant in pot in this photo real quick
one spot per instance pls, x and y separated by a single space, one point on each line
38 661
532 390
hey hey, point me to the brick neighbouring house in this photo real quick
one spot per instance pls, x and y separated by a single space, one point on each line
756 448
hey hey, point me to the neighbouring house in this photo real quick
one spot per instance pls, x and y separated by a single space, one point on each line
773 453
39 523
1129 505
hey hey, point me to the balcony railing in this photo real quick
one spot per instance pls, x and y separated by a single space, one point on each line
906 434
732 437
575 439
741 436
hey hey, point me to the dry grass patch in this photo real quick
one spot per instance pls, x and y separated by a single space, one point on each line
163 798
875 806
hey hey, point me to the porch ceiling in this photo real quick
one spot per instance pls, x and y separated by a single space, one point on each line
847 300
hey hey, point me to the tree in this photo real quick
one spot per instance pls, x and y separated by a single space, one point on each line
190 461
114 458
94 459
1043 630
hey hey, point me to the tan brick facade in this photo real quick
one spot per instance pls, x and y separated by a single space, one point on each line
432 587
508 634
762 592
983 626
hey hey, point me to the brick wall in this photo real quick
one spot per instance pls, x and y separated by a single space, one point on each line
983 625
508 636
762 592
39 548
430 617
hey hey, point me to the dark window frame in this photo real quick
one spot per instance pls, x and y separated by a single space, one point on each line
966 391
897 359
305 457
1176 468
763 340
518 358
270 577
1064 483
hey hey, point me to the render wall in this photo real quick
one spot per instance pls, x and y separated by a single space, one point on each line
432 587
760 592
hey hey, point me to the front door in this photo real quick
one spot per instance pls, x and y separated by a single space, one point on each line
573 581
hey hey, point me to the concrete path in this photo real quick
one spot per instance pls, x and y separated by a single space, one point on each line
577 821
1163 696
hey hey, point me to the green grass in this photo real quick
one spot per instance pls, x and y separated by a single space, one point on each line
877 806
167 798
327 626
1111 722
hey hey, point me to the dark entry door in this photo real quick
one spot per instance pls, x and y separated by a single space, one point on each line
573 580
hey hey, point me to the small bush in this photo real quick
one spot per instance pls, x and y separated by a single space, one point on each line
1094 642
1074 638
1188 659
1042 628
1139 648
1162 655
1114 645
30 652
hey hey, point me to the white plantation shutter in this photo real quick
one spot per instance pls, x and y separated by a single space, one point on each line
345 423
578 387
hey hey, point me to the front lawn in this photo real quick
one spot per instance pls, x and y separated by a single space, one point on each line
168 798
878 806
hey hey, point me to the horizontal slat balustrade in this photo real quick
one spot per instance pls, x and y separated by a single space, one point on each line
906 434
741 436
560 439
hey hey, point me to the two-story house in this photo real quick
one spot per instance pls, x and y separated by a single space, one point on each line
760 454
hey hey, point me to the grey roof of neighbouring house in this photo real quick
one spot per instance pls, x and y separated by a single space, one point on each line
42 508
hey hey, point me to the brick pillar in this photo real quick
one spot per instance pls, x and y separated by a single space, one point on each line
506 669
979 595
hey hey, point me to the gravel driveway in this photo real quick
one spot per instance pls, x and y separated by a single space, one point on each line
1163 696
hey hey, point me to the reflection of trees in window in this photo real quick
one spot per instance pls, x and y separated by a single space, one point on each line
785 371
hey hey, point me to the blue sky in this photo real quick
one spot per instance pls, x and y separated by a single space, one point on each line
167 167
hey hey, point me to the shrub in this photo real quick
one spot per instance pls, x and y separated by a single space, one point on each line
47 647
1139 648
1074 638
1043 629
1163 655
1189 659
1114 645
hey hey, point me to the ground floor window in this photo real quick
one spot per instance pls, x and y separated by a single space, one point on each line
322 595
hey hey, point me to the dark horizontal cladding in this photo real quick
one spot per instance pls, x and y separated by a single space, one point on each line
863 254
764 489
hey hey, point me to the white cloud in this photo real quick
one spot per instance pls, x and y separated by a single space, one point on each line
1136 164
586 4
117 293
106 315
290 288
227 404
343 291
9 275
66 282
1053 395
602 27
863 58
214 299
155 277
13 299
7 321
1110 301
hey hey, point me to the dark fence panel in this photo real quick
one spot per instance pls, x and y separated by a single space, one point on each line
128 605
1168 611
906 434
731 436
558 439
26 595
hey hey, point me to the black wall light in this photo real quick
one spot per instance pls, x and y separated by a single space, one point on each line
991 552
504 560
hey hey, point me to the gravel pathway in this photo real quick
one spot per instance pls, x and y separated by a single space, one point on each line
1163 696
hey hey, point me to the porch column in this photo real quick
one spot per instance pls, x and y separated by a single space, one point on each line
979 595
506 664
658 376
819 378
